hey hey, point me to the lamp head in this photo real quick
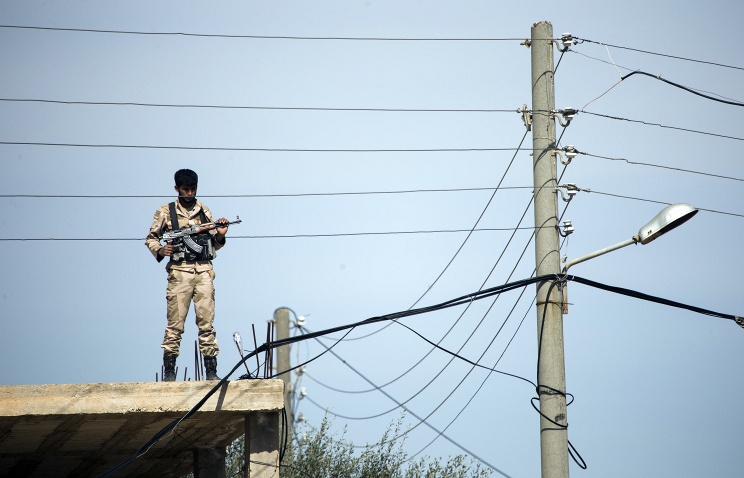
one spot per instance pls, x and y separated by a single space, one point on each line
667 219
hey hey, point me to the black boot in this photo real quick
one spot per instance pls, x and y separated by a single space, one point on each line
210 364
169 368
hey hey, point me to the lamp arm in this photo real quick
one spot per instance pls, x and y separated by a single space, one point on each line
632 240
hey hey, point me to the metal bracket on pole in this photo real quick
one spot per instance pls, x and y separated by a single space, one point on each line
526 117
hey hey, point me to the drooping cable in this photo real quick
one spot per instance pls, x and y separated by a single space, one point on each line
408 410
485 379
677 85
408 313
456 354
457 252
543 389
527 208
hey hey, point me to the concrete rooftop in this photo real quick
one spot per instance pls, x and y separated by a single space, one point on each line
85 429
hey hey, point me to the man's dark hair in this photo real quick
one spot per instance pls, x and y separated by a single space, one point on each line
186 177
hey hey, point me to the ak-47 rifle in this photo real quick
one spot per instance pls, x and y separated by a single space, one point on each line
196 229
186 232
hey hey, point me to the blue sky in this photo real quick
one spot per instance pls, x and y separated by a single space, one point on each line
654 387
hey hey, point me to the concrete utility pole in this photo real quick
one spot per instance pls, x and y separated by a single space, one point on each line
551 368
281 321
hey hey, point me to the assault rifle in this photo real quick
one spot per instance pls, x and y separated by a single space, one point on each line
186 232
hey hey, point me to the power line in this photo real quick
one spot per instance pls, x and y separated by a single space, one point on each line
446 267
456 354
600 60
276 195
408 410
662 167
555 278
660 202
278 108
287 236
677 85
503 176
661 54
441 306
279 150
463 313
487 376
260 37
663 126
696 91
483 318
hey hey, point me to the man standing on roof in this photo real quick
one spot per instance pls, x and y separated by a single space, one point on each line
190 273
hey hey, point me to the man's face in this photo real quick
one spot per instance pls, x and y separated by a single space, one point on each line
186 195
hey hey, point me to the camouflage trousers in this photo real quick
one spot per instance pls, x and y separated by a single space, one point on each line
183 288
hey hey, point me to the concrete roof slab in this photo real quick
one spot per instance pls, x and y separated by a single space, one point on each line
85 429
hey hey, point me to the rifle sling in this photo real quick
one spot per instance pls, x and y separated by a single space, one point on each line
174 216
175 226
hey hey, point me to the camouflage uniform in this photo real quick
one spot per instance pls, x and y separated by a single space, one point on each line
187 281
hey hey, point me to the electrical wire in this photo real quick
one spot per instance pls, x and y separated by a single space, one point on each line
647 123
696 91
670 168
271 108
611 62
483 383
650 298
458 319
286 236
702 173
269 150
480 217
690 90
408 313
455 354
277 195
421 420
260 37
399 404
457 252
542 389
256 196
493 339
660 54
572 450
621 196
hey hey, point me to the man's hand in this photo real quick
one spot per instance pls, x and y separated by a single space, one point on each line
166 250
221 225
222 229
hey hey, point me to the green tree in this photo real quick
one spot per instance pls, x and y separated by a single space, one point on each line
318 453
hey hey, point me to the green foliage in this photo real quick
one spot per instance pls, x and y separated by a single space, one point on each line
318 453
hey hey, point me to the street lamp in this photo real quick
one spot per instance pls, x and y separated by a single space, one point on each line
667 219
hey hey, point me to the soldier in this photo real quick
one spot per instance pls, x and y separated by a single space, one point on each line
190 272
